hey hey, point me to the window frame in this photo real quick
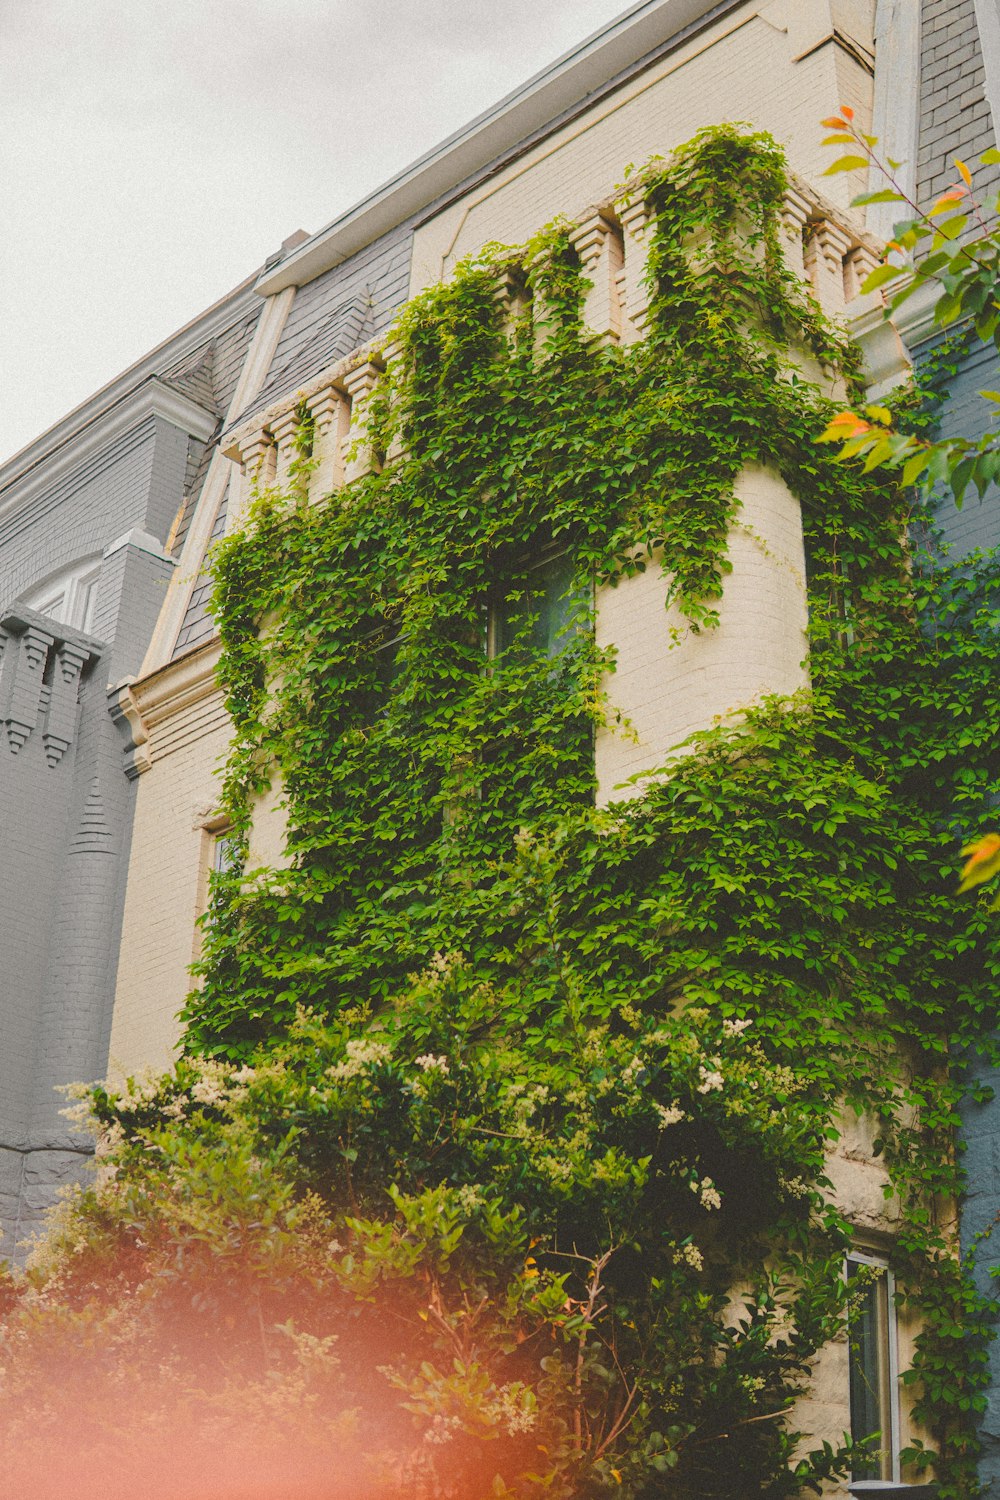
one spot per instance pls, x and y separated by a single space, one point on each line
68 597
495 647
890 1443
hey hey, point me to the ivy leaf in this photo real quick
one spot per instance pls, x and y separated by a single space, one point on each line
961 474
846 164
983 862
914 467
883 195
880 276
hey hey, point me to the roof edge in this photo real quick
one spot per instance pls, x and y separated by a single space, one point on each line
538 102
213 320
150 398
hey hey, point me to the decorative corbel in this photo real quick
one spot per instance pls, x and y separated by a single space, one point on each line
635 222
331 414
24 703
600 246
60 726
359 383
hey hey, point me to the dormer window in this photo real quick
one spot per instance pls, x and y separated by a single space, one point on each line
68 597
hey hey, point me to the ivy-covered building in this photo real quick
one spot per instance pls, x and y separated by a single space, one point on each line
559 670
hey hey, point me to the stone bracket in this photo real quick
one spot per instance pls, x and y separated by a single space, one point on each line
29 639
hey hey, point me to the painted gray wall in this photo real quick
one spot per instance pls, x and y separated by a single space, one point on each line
956 121
65 817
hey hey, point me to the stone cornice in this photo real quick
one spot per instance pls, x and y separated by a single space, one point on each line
574 81
21 482
143 703
20 618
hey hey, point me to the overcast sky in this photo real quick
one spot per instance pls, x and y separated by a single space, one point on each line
154 152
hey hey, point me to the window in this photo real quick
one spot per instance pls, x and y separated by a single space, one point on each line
69 596
873 1365
225 855
538 614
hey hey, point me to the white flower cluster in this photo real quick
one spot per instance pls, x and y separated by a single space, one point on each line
708 1193
140 1090
671 1114
442 1429
631 1071
710 1078
80 1113
689 1255
513 1408
210 1087
735 1028
431 1064
361 1055
795 1186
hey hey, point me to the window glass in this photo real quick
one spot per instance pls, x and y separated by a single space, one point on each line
538 613
225 857
871 1334
68 598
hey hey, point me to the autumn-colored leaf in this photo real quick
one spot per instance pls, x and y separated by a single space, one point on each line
847 112
953 195
833 123
847 424
964 172
879 414
983 861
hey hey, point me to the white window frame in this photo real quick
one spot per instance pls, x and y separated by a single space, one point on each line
867 1257
68 597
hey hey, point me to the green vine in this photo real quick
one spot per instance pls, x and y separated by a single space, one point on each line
560 1081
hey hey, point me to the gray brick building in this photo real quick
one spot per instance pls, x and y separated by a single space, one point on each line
101 519
90 520
939 101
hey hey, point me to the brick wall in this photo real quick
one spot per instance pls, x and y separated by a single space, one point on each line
955 118
669 682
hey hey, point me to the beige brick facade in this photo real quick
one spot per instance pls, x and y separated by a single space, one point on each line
670 682
182 731
780 66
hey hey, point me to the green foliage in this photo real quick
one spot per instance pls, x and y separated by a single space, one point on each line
528 1102
954 248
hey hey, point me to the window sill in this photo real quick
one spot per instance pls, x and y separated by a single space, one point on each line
891 1489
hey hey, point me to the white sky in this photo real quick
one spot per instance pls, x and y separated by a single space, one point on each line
154 152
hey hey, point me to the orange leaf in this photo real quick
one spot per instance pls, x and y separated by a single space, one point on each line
847 424
953 195
983 861
847 112
833 123
964 172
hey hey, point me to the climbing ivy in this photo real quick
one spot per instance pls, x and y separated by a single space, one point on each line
541 1094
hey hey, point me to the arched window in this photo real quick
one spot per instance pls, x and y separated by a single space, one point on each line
68 596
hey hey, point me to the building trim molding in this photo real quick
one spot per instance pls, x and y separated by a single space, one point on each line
151 398
988 25
143 704
575 81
